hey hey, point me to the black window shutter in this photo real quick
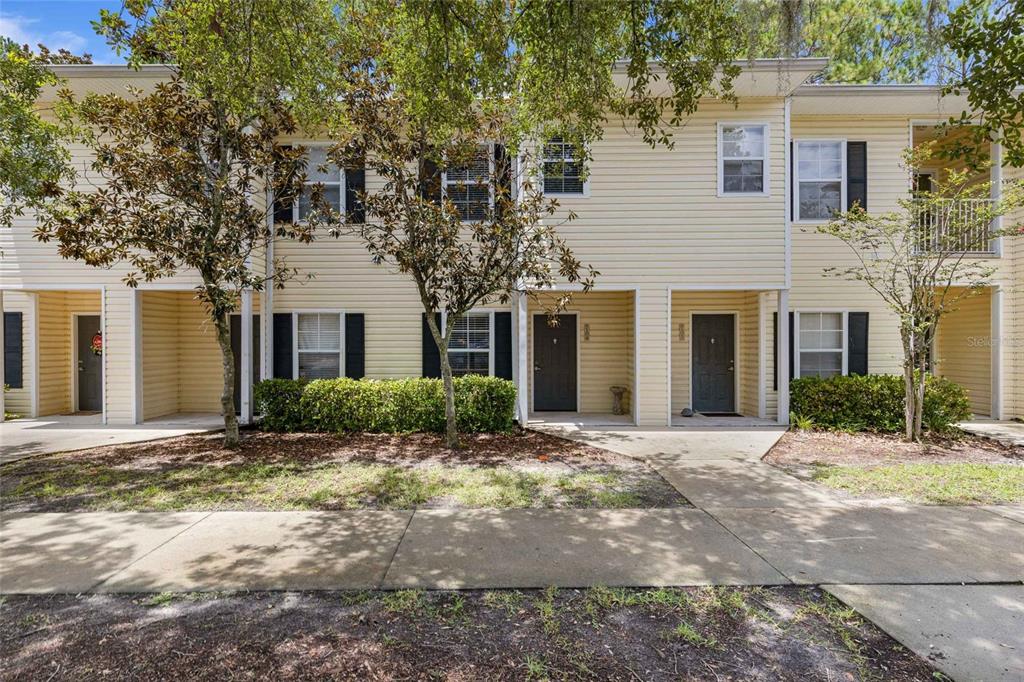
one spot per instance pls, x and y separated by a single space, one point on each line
857 175
503 345
430 182
13 351
794 191
857 343
355 183
282 208
283 346
792 345
775 351
431 355
503 171
355 345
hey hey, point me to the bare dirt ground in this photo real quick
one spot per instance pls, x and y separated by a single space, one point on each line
334 471
718 634
869 449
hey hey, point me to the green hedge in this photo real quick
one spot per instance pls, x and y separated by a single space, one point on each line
482 404
875 403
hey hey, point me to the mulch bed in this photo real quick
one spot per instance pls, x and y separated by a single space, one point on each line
202 473
783 633
871 449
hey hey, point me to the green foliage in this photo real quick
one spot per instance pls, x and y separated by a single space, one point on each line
34 159
958 483
986 38
875 403
484 404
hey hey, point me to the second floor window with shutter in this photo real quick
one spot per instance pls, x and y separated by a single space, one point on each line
320 171
319 345
469 188
820 179
743 154
469 350
562 170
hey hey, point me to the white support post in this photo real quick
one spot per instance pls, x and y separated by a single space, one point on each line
3 348
996 333
783 368
520 368
245 383
267 303
135 306
996 190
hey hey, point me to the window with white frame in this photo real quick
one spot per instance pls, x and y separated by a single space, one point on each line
562 168
469 188
471 344
319 345
820 344
320 171
742 158
821 178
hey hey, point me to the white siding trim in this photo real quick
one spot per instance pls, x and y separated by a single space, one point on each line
996 321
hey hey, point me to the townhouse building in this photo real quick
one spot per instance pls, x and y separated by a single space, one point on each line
712 291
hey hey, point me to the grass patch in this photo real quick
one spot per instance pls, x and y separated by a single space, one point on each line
330 485
963 483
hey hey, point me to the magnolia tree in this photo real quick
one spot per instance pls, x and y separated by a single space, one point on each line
922 260
183 167
453 105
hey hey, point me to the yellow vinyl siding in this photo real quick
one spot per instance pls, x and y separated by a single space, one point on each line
744 305
55 346
160 361
605 360
812 289
652 350
963 351
1012 332
201 371
654 216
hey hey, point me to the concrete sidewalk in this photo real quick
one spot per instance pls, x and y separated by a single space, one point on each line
156 552
22 438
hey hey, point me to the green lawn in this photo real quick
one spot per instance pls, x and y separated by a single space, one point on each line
965 483
330 485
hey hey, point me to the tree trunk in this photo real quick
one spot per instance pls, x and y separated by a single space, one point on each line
909 393
451 429
227 396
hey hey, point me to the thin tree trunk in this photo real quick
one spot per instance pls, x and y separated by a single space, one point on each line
227 396
451 429
909 392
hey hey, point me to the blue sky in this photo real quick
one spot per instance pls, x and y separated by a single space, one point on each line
56 24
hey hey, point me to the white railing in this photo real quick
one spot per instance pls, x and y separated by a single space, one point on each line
955 226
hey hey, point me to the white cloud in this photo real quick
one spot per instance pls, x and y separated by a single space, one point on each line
26 31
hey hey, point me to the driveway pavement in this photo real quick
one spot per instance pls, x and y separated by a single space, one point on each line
45 435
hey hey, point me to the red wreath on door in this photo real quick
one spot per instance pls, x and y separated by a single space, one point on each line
96 345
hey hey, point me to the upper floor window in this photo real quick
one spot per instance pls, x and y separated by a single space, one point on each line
469 187
742 158
820 343
562 169
319 345
820 179
471 344
319 170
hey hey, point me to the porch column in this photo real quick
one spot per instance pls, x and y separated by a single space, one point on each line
783 366
267 310
520 370
996 190
996 322
245 383
651 345
3 355
135 317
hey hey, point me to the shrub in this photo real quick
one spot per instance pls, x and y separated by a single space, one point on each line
482 404
875 403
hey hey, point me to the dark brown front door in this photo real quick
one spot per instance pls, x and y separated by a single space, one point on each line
90 365
714 371
554 364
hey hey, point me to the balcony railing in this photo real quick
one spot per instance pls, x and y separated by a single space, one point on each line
955 226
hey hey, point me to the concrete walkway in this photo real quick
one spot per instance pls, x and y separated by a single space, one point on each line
752 524
1011 433
22 438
